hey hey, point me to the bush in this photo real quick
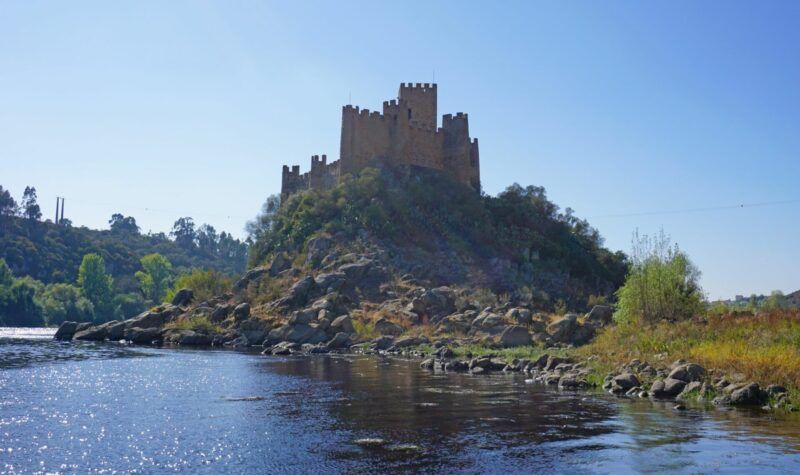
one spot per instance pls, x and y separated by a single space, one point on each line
62 302
128 305
661 285
204 283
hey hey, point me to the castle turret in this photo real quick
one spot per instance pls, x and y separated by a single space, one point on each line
421 102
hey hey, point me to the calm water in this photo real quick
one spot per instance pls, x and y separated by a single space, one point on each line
108 408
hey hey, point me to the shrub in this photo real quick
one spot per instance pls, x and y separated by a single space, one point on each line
661 285
204 283
198 323
62 302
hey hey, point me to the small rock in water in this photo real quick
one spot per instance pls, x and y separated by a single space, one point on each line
679 407
371 442
244 398
529 381
405 448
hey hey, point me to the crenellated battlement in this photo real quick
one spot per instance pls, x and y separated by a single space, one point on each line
404 133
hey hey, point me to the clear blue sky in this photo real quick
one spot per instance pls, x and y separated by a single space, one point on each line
163 109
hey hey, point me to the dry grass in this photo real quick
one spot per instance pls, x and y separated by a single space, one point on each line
763 348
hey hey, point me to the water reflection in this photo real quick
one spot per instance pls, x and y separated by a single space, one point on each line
106 407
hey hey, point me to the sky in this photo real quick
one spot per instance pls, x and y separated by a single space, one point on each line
637 115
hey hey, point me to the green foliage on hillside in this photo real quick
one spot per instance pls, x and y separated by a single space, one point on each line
204 283
52 253
432 212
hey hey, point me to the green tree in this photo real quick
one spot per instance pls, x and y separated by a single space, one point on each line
662 283
184 233
8 207
123 224
30 208
775 301
64 302
155 276
128 305
96 285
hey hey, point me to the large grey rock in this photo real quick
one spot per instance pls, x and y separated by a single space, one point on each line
582 334
454 324
303 317
330 282
317 248
626 381
183 297
298 293
255 330
667 388
146 319
143 336
562 329
407 341
343 324
357 270
297 334
688 372
600 315
220 312
191 338
66 331
382 342
340 340
748 395
115 331
241 311
95 333
521 316
515 335
385 327
253 275
279 264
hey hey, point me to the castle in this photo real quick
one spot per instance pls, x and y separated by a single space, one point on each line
404 134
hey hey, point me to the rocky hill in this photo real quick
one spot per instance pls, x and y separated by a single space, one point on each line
391 259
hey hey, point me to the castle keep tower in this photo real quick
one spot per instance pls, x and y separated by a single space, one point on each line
405 133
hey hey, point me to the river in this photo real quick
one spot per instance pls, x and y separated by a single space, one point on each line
82 407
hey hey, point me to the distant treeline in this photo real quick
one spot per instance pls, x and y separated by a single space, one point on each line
49 253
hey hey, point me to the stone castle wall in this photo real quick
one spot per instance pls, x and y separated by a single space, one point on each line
404 134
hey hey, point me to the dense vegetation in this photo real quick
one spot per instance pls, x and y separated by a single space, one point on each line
547 251
54 272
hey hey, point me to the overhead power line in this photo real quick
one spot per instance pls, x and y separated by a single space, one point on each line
697 210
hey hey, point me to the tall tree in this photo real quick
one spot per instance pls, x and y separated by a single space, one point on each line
123 224
155 277
183 232
96 285
30 208
8 207
207 239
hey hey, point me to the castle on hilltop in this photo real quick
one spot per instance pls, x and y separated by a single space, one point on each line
405 134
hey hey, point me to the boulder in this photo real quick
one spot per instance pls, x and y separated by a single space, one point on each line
515 335
343 324
340 340
317 248
145 319
279 264
297 334
95 333
191 338
385 327
382 342
241 311
600 315
303 317
357 270
626 381
553 361
183 297
220 313
688 372
252 275
298 293
521 316
748 395
255 330
82 326
115 331
330 282
488 322
66 331
667 388
407 341
572 381
454 324
143 336
562 329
